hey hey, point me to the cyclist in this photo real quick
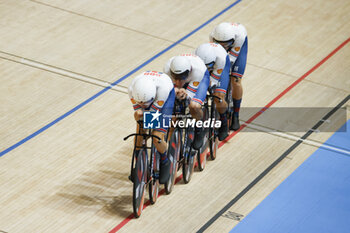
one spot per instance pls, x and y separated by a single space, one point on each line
218 64
154 91
233 37
191 79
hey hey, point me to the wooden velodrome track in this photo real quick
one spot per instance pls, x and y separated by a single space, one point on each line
69 174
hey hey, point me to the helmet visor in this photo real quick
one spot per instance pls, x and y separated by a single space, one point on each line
145 104
181 76
210 66
226 44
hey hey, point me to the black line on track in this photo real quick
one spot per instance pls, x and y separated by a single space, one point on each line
273 165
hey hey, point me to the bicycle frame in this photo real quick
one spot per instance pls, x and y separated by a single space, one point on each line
213 113
145 136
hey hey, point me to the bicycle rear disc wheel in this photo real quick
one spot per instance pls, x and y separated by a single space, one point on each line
188 166
139 179
213 135
153 190
213 144
202 157
153 186
189 155
174 154
229 101
202 152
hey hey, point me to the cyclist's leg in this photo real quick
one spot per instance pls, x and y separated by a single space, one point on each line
221 91
166 113
162 150
237 72
139 138
137 148
162 146
196 110
197 101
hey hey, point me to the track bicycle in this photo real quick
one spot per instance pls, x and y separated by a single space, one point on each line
144 170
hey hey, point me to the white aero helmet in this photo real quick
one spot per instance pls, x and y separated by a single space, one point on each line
144 90
207 53
225 35
224 32
180 67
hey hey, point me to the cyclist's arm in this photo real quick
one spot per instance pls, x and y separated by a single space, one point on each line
215 76
236 49
202 88
159 101
192 88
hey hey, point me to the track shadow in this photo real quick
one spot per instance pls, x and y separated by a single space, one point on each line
102 188
117 205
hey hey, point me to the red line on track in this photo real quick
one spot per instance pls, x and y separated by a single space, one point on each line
262 110
131 216
256 115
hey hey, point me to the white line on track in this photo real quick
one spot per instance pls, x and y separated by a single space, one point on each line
63 72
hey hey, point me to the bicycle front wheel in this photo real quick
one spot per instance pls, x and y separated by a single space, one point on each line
213 134
174 155
140 180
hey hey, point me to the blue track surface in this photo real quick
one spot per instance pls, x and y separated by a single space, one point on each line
315 198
